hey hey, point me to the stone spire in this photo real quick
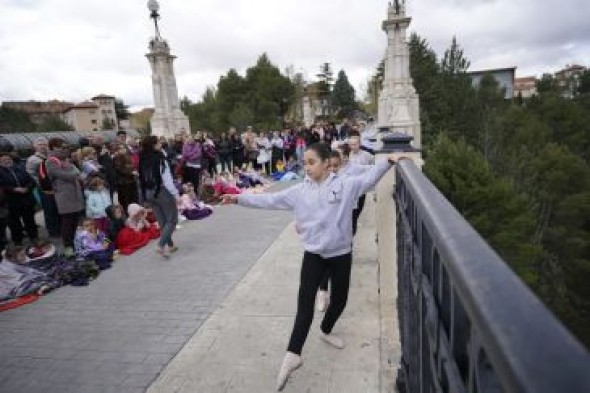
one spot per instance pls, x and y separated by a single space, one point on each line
399 109
168 119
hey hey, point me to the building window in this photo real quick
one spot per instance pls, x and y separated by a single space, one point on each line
94 121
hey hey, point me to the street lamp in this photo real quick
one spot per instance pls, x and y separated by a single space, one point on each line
153 6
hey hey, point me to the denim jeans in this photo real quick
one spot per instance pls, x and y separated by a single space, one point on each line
166 212
299 152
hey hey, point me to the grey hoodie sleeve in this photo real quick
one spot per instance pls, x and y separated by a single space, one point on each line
363 183
283 200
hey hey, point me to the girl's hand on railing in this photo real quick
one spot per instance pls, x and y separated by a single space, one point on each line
393 158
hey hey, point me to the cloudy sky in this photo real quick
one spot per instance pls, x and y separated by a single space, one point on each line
74 49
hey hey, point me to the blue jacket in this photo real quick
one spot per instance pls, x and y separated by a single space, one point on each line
96 203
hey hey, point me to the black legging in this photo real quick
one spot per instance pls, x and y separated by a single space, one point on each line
19 214
312 270
69 224
355 217
226 162
193 175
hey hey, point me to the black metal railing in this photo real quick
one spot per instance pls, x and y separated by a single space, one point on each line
467 323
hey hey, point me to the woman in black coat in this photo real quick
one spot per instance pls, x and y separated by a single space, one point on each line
18 186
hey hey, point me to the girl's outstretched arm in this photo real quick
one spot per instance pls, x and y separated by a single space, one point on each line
363 183
282 200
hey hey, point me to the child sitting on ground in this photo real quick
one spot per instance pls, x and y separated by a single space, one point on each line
190 207
137 218
17 279
224 184
98 199
92 243
137 232
117 221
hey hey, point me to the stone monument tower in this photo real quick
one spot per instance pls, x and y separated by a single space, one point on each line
168 119
399 108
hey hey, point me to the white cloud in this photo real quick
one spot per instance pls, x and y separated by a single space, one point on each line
72 50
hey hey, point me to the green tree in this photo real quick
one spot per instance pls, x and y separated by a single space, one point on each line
203 115
269 93
53 123
547 84
107 124
231 91
454 62
242 116
490 97
343 95
495 208
425 72
15 121
121 110
325 82
584 86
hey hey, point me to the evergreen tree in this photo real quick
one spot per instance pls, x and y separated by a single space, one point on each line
54 123
547 84
121 110
15 121
491 204
241 117
584 86
454 62
326 79
269 93
343 95
231 91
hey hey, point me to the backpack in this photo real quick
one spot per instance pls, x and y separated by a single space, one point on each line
44 180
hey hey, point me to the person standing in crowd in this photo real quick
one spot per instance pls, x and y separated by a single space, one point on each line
300 146
358 157
122 140
45 194
340 163
126 178
103 152
192 155
20 202
67 187
251 148
209 154
237 149
289 143
225 152
329 135
322 204
264 149
3 218
344 130
278 153
316 134
159 192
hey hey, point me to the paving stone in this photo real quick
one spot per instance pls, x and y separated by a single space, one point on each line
138 314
